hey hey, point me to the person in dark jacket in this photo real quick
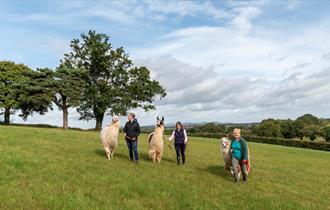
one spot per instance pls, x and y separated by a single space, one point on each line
239 152
180 142
132 132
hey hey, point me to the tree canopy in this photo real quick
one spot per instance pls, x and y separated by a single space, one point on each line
68 84
23 89
113 85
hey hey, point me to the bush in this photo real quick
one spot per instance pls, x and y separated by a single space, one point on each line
270 140
290 142
326 133
269 128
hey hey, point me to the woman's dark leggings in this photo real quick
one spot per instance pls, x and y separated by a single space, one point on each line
180 149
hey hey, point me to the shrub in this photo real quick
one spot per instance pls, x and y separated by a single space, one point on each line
271 140
326 133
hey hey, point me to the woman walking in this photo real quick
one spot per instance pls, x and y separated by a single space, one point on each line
180 142
239 150
132 132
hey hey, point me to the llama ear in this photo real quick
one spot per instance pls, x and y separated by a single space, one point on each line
162 118
157 118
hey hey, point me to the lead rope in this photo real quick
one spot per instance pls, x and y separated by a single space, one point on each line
168 142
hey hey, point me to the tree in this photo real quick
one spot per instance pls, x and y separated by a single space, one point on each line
11 77
311 131
23 89
36 92
208 128
309 119
288 129
269 128
299 125
112 84
326 133
307 125
68 85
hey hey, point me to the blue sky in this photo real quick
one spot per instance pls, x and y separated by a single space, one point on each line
226 61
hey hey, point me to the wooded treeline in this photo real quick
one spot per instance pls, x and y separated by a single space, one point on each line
93 77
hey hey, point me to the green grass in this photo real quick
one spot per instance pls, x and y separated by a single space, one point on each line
43 168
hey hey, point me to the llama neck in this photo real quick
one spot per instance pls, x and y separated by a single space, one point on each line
159 130
116 124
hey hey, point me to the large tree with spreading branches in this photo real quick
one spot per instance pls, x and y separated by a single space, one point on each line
24 89
113 85
68 87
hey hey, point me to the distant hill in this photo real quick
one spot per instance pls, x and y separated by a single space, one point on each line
193 124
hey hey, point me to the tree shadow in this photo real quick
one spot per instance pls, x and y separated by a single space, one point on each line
217 170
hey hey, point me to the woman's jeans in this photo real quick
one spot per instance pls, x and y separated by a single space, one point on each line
132 148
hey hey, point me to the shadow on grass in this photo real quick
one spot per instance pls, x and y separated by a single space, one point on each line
218 171
142 155
101 152
145 156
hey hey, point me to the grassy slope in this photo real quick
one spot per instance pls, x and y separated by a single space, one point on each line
56 169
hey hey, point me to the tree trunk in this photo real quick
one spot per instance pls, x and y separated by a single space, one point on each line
65 118
7 115
99 120
65 114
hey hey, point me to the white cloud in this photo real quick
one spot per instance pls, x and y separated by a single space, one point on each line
185 8
251 75
238 67
244 17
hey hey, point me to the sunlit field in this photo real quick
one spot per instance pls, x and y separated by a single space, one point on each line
43 168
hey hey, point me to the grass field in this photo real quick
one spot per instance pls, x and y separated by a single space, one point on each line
54 169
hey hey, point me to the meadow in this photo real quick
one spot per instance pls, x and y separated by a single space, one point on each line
47 168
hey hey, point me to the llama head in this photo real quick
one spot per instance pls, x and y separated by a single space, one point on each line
160 121
225 144
115 119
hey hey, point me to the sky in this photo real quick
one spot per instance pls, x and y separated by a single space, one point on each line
224 61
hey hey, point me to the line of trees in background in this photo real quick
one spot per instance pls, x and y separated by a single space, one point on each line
94 77
306 126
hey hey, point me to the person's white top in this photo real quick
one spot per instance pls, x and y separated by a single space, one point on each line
185 136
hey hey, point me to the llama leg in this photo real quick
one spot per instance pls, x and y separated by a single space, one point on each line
158 157
107 152
152 155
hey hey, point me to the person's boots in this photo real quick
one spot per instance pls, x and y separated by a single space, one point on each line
183 160
178 160
244 177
